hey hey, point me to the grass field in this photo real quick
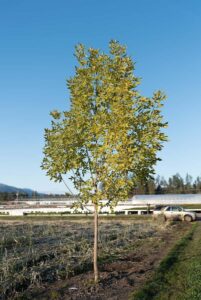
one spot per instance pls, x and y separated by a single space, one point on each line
32 253
76 218
179 274
42 258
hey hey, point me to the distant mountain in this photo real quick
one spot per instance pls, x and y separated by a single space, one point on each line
11 189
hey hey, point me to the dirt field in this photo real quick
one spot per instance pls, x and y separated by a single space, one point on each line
52 259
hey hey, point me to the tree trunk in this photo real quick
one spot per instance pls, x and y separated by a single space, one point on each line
95 243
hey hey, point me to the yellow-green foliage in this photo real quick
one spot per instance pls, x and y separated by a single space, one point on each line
111 134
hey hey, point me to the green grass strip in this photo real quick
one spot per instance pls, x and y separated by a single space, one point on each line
159 281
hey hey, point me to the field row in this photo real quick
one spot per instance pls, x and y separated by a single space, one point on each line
33 254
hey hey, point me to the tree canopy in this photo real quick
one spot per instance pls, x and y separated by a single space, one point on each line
111 134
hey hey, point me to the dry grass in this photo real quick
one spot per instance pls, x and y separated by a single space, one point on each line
32 254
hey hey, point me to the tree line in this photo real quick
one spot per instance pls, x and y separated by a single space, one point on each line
175 184
11 196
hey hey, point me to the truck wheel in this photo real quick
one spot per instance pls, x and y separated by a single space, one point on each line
188 218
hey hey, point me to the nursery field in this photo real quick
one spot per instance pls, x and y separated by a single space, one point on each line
52 259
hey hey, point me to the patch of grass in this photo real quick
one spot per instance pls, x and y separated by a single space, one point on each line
140 208
78 218
36 253
192 206
159 284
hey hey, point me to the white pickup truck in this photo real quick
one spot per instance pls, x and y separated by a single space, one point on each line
174 213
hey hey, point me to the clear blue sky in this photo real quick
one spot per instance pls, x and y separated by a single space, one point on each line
37 41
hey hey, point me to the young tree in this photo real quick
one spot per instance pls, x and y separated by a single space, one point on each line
110 135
